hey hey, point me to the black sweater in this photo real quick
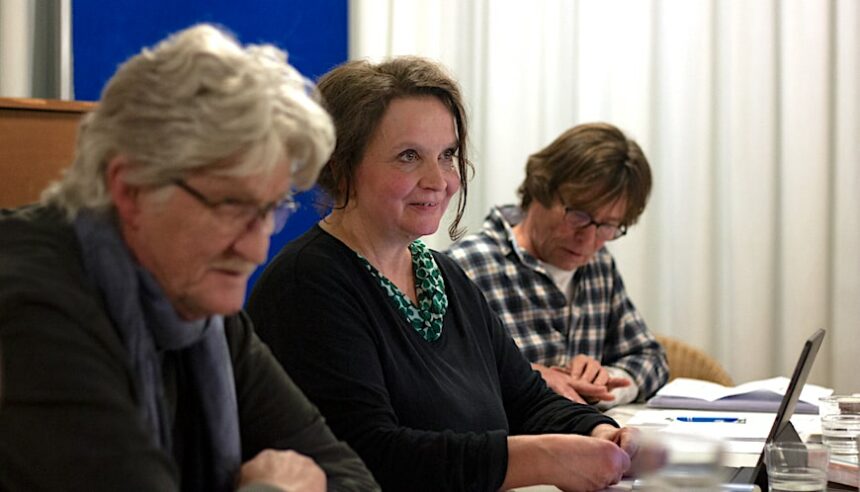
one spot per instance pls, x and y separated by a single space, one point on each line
68 414
422 415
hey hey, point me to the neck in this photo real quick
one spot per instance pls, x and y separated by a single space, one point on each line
522 234
391 257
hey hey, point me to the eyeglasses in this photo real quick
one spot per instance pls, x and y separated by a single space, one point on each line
581 220
236 214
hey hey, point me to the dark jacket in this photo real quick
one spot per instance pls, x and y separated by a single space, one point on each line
68 415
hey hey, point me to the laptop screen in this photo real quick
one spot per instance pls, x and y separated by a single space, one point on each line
782 430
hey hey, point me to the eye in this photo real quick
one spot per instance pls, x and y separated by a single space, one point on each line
449 156
408 156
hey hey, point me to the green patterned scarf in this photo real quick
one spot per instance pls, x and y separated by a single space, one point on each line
426 318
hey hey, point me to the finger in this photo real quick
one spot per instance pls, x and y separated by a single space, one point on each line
592 392
602 377
613 383
591 370
629 441
583 386
577 365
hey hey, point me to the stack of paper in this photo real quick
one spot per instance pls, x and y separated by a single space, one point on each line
755 396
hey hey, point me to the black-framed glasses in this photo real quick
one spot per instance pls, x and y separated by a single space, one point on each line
236 214
581 220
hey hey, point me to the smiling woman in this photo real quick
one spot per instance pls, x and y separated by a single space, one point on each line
390 339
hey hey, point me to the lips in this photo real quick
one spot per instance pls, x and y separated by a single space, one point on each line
235 267
425 204
573 253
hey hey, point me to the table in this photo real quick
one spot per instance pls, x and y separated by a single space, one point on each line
735 457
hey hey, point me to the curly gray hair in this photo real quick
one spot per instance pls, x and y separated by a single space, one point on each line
198 101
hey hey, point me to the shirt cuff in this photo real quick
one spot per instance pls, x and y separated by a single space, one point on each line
623 395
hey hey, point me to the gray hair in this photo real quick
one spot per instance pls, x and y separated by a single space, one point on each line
198 101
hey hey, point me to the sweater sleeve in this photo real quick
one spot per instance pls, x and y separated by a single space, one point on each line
531 407
275 414
322 324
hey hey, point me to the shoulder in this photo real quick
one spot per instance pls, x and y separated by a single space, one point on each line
40 261
449 267
36 235
458 282
477 252
313 254
239 330
490 246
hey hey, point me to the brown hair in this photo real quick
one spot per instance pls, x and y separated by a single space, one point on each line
591 165
358 93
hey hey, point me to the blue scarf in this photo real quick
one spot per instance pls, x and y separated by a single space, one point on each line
149 327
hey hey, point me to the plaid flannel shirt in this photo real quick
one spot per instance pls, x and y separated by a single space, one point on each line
601 321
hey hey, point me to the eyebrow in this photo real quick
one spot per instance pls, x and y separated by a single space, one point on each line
222 192
410 144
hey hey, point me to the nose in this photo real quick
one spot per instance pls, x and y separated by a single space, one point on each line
587 234
253 243
432 177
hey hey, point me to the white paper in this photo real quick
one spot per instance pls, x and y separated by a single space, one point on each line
755 426
706 390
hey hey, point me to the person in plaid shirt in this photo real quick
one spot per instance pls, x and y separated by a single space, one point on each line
545 271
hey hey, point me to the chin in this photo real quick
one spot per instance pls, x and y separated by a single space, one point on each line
216 302
565 264
427 229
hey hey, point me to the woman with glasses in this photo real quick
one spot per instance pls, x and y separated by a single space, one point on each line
127 364
544 269
390 339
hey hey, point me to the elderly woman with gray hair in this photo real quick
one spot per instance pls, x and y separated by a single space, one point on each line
127 364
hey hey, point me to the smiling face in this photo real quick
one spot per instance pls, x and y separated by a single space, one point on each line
200 262
549 237
408 172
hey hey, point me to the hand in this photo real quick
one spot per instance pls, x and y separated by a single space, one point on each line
579 389
591 380
288 470
626 438
570 462
559 381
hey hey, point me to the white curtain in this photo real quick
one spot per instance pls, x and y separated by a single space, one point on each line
749 112
35 49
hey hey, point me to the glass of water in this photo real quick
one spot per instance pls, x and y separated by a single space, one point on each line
688 463
797 466
836 404
839 432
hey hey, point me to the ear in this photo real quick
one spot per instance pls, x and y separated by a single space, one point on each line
125 197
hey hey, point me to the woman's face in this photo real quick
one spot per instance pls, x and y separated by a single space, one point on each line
408 172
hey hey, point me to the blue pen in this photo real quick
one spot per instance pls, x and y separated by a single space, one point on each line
730 420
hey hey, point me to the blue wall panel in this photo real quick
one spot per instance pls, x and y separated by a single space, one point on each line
313 32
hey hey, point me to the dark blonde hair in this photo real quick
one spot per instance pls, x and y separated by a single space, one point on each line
589 166
358 93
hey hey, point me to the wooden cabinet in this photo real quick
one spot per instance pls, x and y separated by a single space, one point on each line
37 141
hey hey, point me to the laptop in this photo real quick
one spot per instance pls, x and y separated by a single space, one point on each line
782 430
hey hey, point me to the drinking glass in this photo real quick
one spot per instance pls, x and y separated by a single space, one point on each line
796 466
690 463
839 404
839 432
